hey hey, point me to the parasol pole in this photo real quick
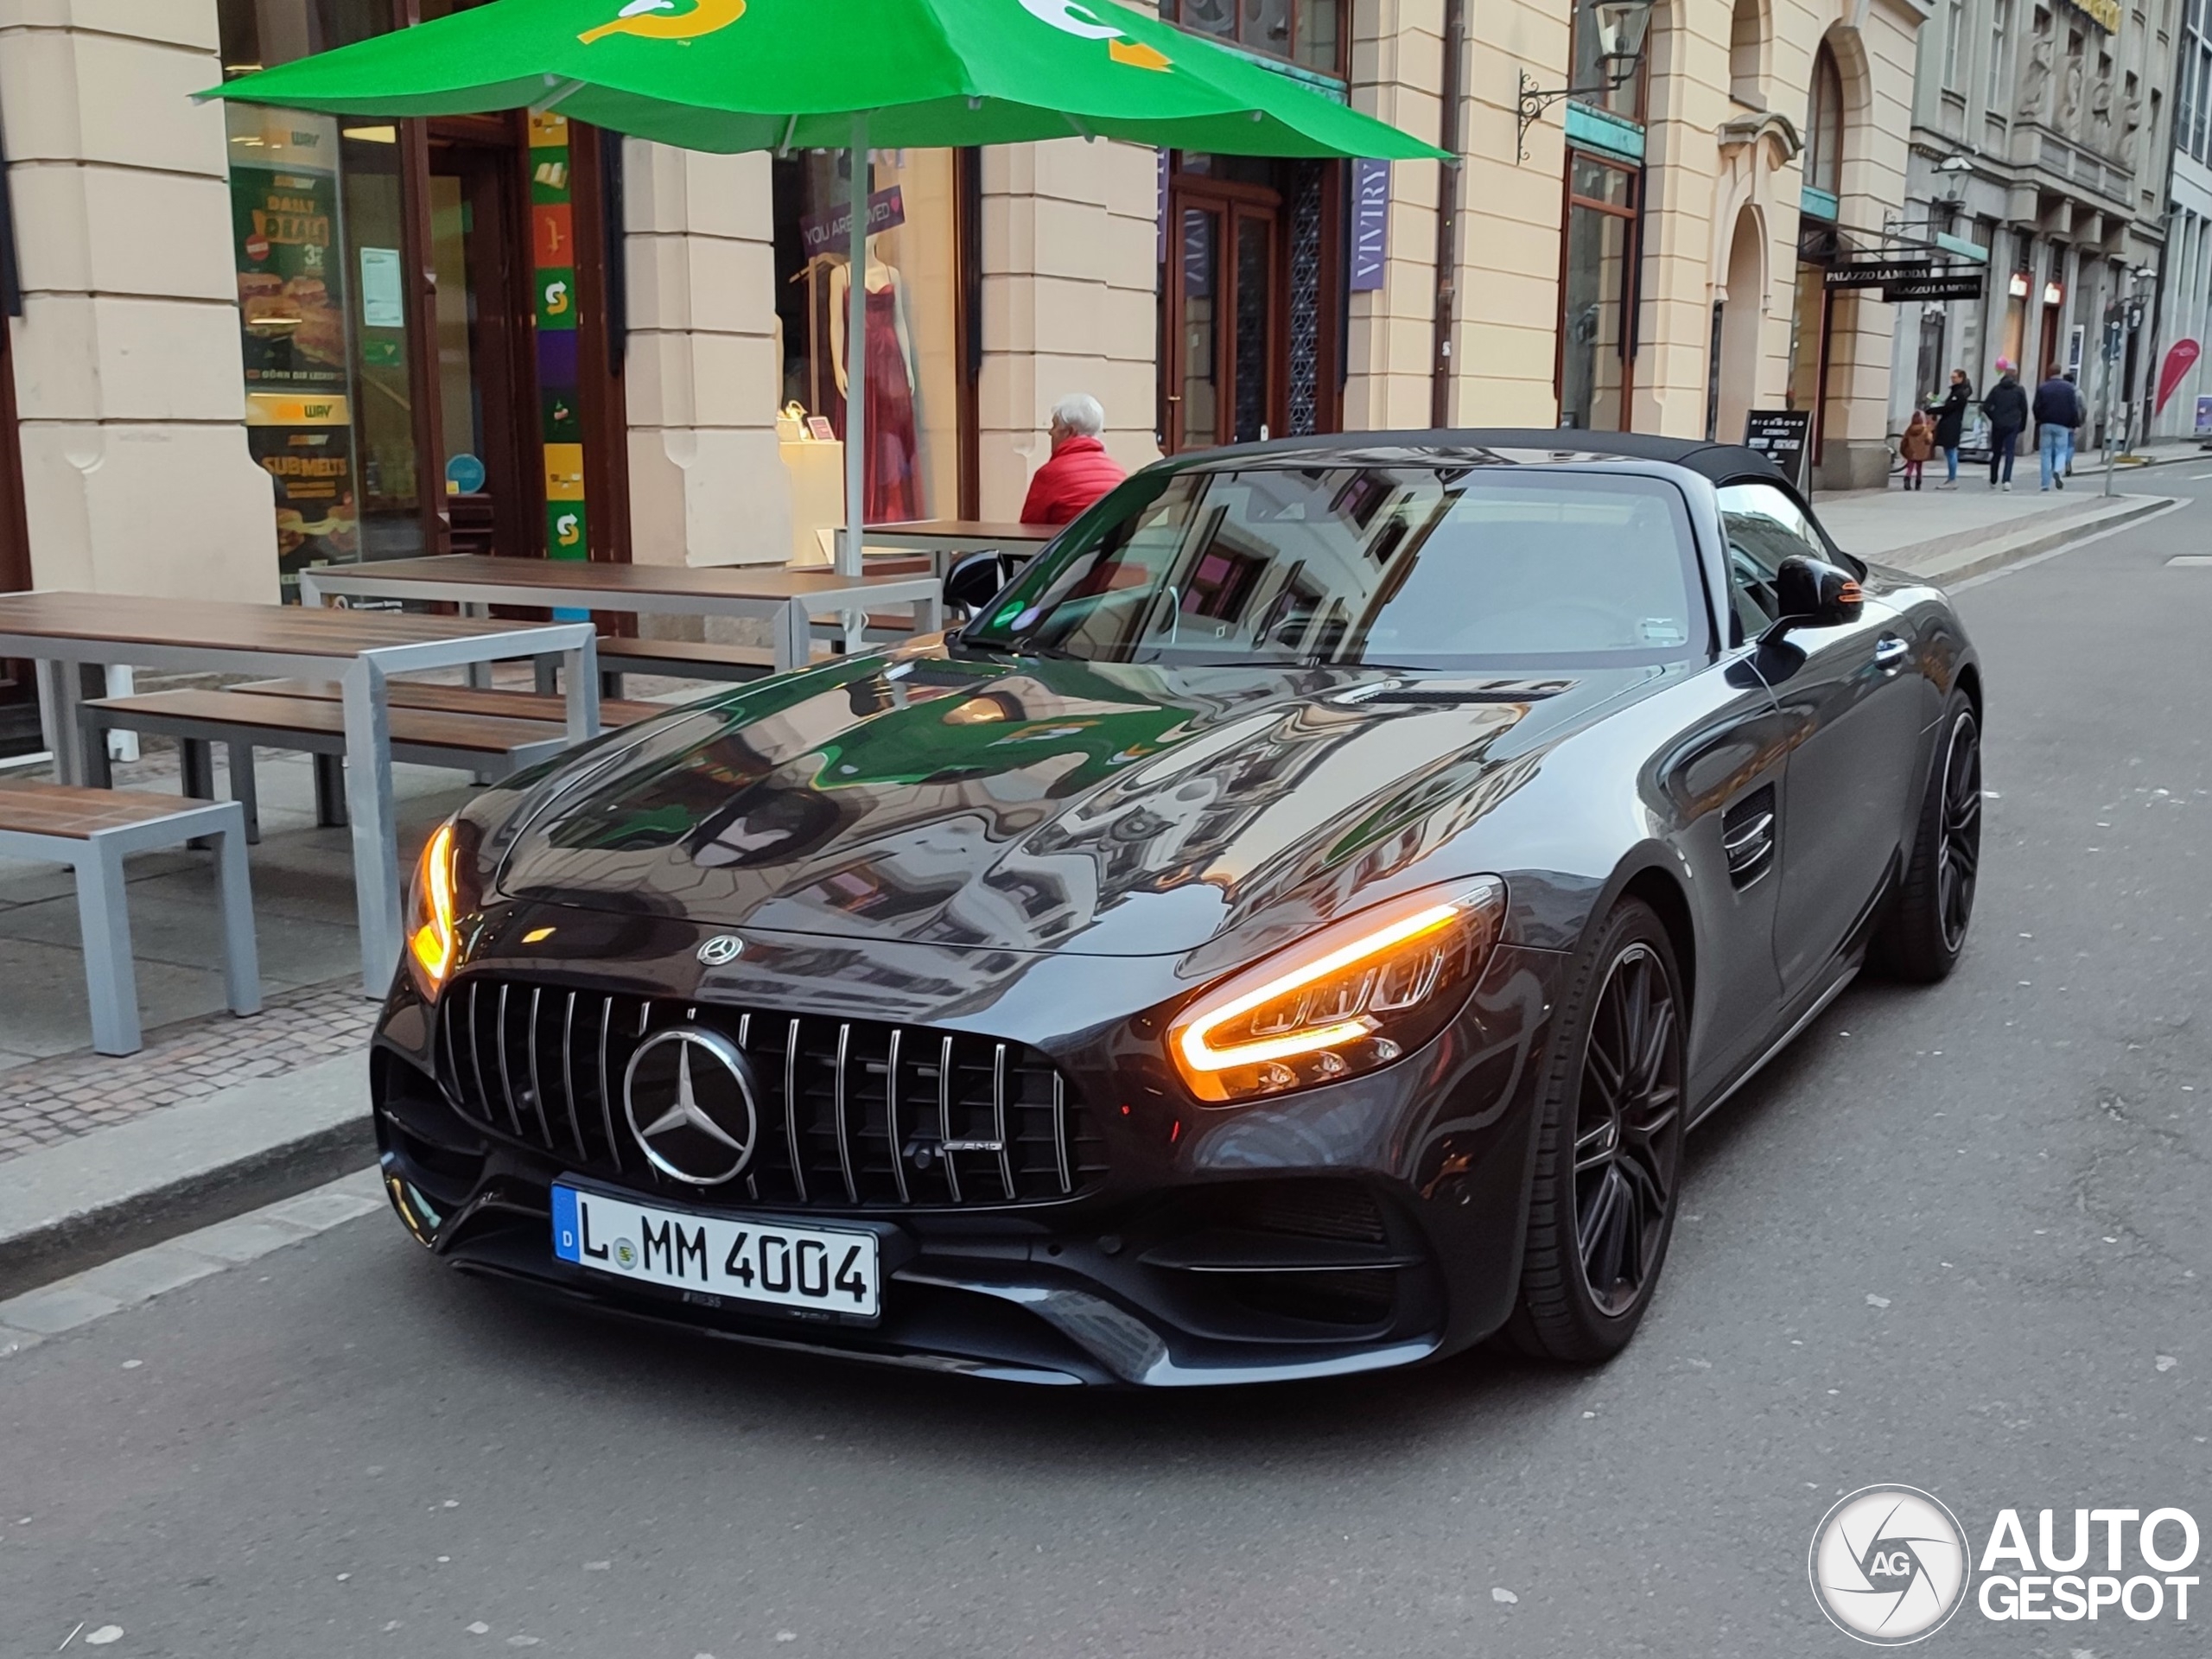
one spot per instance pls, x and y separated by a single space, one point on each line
849 550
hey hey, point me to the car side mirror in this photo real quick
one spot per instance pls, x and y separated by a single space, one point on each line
1812 594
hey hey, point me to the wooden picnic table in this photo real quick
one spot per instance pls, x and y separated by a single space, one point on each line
64 633
790 599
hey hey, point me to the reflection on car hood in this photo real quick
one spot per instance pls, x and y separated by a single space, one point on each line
1107 809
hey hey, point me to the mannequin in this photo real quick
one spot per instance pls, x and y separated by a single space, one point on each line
893 479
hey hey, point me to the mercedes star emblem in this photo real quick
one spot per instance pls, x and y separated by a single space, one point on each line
723 947
687 1095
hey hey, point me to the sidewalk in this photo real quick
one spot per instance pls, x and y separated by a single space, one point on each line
216 1114
1949 535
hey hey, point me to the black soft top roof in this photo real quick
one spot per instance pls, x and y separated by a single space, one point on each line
1497 446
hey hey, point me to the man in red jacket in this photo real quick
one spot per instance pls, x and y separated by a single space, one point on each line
1079 471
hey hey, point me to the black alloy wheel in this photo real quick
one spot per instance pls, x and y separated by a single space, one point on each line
1628 1133
1958 853
1927 927
1602 1205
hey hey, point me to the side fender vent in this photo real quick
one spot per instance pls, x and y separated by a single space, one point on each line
1747 836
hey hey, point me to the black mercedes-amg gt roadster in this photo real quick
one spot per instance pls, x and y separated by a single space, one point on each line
1287 931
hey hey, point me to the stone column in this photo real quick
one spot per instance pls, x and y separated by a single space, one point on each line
1397 75
1070 276
130 387
702 371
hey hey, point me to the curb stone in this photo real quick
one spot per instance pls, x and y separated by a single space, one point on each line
99 1196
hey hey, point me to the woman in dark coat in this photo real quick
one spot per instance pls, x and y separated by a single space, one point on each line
1950 424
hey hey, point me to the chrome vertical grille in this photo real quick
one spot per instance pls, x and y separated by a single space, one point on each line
854 1114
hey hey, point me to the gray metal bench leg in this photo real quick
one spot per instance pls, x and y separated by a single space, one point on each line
110 976
92 744
196 767
196 777
234 893
329 790
545 674
244 789
610 685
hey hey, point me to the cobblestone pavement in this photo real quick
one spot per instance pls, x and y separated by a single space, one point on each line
57 1099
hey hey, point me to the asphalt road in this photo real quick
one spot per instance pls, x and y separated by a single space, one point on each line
1955 1238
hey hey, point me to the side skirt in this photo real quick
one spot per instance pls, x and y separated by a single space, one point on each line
1820 1003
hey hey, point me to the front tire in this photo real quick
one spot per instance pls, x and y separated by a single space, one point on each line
1601 1210
1927 929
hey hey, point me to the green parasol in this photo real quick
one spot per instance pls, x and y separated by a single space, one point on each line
730 75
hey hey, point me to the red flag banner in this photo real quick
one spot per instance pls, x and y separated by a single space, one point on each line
2179 360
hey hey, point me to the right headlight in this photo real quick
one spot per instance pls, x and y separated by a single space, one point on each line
1351 997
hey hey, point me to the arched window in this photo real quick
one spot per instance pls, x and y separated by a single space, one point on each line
1746 46
1824 125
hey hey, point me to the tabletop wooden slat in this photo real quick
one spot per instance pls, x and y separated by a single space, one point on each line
183 624
525 576
76 814
432 727
546 706
978 530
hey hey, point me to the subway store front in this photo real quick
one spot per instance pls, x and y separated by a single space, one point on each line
431 313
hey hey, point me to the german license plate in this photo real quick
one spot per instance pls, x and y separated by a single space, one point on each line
749 1259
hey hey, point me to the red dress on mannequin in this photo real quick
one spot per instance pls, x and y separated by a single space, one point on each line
893 492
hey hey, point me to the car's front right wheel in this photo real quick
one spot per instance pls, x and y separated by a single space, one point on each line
1608 1153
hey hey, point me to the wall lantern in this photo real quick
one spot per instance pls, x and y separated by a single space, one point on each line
2053 293
2019 285
1621 25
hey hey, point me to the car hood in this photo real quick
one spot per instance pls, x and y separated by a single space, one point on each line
1035 804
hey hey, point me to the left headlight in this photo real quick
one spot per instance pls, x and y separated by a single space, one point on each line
1351 998
434 907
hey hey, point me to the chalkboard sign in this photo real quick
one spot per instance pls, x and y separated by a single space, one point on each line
1785 437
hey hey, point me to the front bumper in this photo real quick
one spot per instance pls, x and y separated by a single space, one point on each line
1369 1224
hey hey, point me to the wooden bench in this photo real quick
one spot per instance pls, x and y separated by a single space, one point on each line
92 831
485 746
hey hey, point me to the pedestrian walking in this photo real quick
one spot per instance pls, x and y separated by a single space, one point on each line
1951 424
2058 412
1915 446
2006 406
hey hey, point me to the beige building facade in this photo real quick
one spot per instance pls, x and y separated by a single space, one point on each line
246 343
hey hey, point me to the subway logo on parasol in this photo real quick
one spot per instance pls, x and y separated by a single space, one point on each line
665 20
1072 17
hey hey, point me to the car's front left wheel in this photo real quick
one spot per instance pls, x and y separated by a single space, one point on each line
1609 1155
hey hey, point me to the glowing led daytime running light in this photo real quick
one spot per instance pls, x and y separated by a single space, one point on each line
1202 1056
432 945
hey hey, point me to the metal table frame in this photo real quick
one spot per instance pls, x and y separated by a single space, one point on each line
793 618
376 886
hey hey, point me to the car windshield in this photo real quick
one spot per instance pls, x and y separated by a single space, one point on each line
1400 566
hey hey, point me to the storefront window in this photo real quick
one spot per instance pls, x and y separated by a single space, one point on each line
1308 33
1595 294
910 345
397 416
1808 322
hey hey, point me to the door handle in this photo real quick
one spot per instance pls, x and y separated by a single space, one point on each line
1889 653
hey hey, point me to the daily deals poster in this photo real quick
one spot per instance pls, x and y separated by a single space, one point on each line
292 299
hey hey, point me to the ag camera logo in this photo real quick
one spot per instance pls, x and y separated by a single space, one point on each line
1889 1565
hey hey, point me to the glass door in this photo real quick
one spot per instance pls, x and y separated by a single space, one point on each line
1224 323
479 244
